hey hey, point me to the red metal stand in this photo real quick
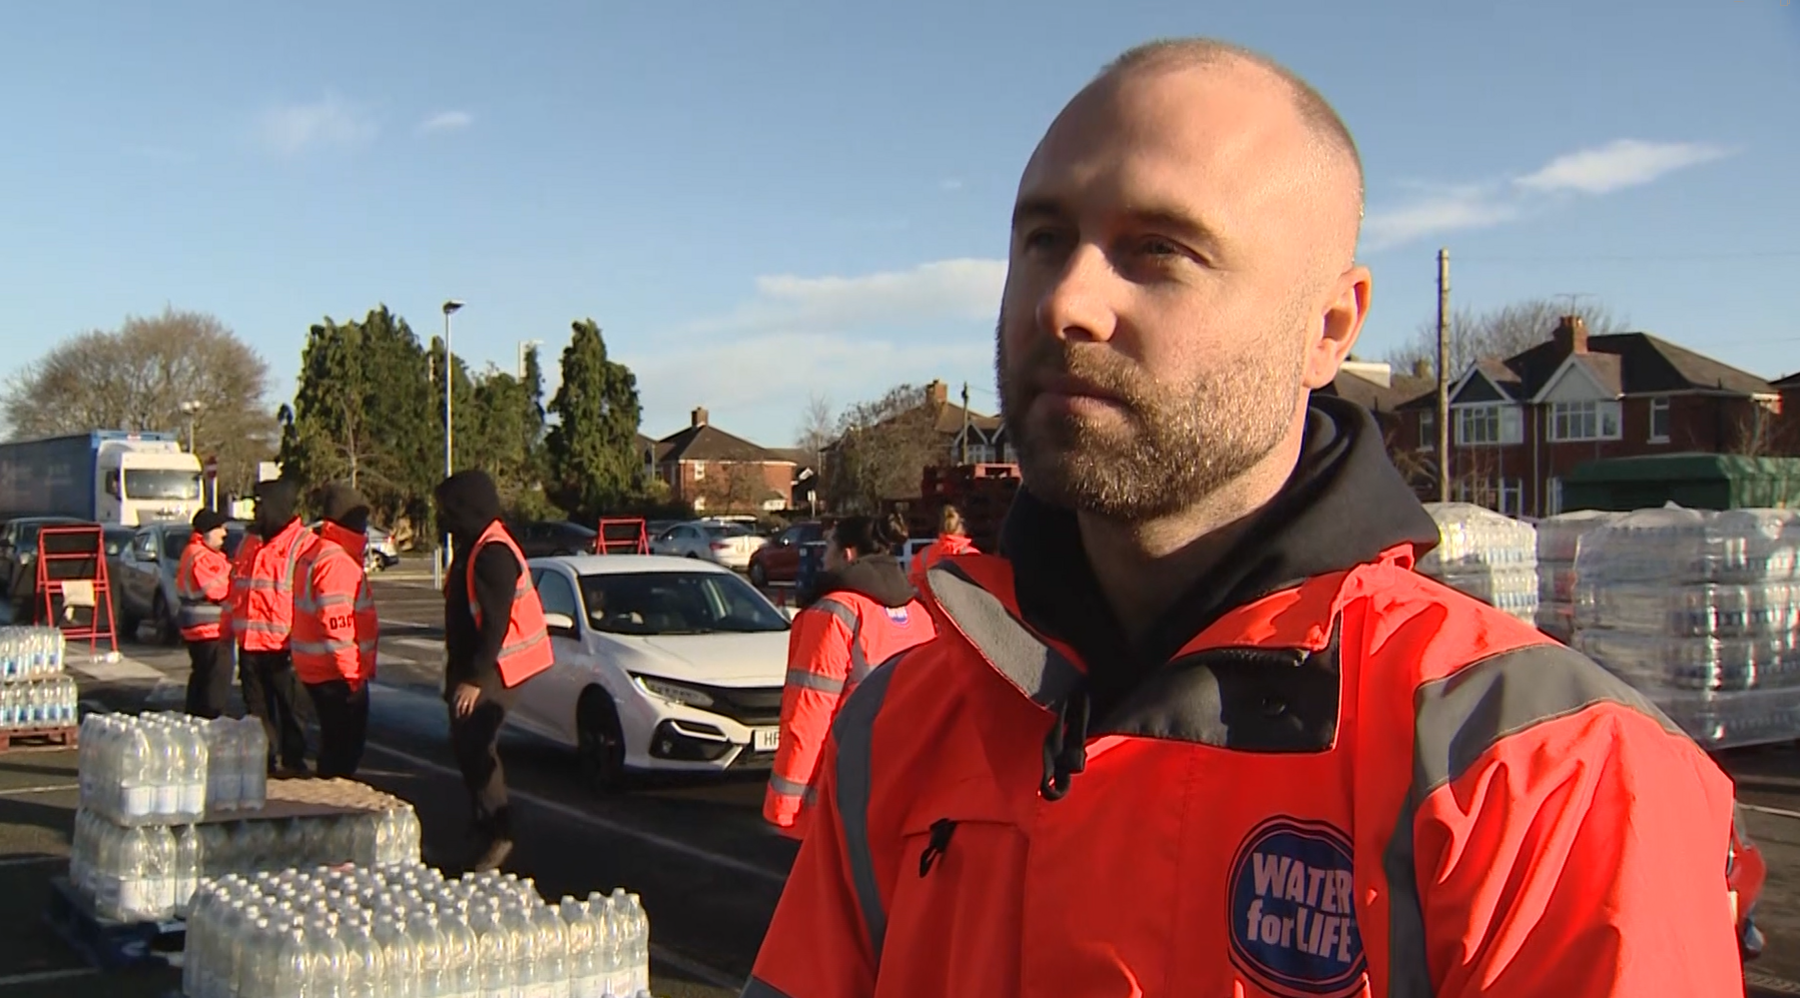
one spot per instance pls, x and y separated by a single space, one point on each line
633 539
76 554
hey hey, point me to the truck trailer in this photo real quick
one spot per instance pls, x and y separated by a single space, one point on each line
106 476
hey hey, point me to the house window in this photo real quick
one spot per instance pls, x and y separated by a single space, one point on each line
1489 425
1553 494
1584 420
1427 430
1659 420
699 471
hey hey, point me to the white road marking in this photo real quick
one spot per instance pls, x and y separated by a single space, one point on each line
423 643
1776 811
54 788
31 860
626 831
47 975
109 672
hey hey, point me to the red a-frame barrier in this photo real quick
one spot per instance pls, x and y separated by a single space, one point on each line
622 535
76 554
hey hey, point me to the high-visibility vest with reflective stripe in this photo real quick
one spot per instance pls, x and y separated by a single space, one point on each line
202 585
834 645
262 610
336 630
1363 786
525 651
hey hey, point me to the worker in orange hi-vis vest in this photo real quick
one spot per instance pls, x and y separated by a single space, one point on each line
262 620
1199 726
866 613
202 586
336 630
495 640
952 540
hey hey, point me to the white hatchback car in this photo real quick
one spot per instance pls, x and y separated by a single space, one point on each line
662 665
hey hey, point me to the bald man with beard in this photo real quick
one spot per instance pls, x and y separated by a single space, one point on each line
1199 728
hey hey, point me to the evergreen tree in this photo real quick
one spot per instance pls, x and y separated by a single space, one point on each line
591 459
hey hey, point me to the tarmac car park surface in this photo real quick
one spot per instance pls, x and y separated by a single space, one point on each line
708 869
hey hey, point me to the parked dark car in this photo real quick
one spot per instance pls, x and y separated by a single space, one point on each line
553 538
779 560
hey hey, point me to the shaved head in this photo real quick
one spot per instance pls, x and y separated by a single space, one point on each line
1327 127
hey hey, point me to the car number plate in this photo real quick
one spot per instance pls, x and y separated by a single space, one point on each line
765 739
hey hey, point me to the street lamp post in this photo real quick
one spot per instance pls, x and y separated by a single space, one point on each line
450 308
192 409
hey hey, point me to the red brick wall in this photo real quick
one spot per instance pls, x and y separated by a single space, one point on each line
744 482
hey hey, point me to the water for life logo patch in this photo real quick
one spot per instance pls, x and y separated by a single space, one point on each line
1293 915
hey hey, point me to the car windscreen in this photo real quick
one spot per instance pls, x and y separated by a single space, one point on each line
646 603
160 483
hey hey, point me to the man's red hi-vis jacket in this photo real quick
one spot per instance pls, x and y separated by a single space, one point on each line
864 616
1320 775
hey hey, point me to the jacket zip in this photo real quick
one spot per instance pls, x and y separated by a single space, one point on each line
941 830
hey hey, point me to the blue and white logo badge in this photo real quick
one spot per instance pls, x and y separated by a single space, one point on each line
1293 915
897 614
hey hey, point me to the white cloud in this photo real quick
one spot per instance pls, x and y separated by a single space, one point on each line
951 184
1618 165
291 129
1431 214
447 121
1588 172
944 289
857 336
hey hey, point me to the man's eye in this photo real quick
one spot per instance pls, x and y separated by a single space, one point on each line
1161 247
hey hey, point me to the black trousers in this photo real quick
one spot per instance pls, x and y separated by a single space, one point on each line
343 713
209 677
274 696
475 740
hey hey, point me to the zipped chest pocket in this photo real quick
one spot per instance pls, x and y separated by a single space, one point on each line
956 909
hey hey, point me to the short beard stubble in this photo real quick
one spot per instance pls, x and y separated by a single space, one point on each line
1183 443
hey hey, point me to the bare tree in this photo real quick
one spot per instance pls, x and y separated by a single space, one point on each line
818 427
882 450
1497 333
1755 433
139 377
733 487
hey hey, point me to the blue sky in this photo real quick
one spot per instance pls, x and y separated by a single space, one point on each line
762 201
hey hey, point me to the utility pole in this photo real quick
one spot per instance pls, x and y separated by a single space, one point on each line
1443 375
965 433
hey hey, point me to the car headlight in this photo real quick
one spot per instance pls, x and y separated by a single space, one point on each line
673 692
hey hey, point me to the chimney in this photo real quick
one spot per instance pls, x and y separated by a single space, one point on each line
938 394
699 416
1571 336
1422 368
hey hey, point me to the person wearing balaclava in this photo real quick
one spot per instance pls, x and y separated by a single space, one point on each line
262 618
494 640
336 630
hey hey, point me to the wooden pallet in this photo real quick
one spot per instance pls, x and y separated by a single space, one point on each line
38 737
106 944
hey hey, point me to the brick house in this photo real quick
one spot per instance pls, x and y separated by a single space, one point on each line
716 472
1519 424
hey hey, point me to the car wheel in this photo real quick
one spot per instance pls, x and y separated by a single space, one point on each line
168 632
759 576
600 742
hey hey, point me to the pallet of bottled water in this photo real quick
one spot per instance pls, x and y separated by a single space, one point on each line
37 698
1699 610
148 873
406 930
1558 541
171 769
1485 555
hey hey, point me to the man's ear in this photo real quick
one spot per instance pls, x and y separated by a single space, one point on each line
1339 327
